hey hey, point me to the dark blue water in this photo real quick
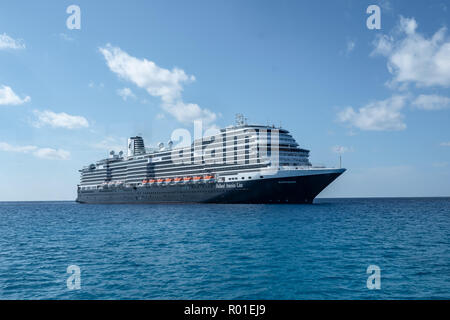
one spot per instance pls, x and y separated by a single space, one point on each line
318 251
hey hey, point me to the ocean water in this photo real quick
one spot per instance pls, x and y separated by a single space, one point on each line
318 251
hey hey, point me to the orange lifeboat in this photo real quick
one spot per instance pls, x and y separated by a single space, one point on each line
160 180
144 181
197 178
187 179
168 180
151 181
209 178
177 179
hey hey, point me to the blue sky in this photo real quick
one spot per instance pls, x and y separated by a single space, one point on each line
379 97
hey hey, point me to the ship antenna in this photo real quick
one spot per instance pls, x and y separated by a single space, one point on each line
240 120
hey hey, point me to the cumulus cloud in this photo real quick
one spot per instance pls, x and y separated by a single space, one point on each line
445 144
6 42
341 149
52 154
10 148
160 116
414 58
126 93
386 5
92 84
111 143
431 102
383 115
66 37
9 97
59 120
158 82
43 153
350 46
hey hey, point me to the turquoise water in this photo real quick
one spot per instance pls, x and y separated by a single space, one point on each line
318 251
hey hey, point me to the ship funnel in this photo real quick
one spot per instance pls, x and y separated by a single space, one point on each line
135 146
160 146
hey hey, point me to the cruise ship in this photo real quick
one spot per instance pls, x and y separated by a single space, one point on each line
242 163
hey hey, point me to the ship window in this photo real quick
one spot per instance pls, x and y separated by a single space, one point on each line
261 177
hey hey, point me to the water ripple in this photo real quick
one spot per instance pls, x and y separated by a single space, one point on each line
316 251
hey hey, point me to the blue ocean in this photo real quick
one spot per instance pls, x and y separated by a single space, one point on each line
319 251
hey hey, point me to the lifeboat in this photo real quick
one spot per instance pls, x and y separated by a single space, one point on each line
197 178
177 179
151 181
160 180
187 179
144 181
209 178
168 180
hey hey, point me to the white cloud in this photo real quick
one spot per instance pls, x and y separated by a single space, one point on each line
158 82
350 46
341 149
381 115
10 148
383 45
52 154
414 58
92 84
59 120
431 102
407 25
386 5
43 153
126 93
6 42
8 97
66 37
442 164
445 144
188 112
111 143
